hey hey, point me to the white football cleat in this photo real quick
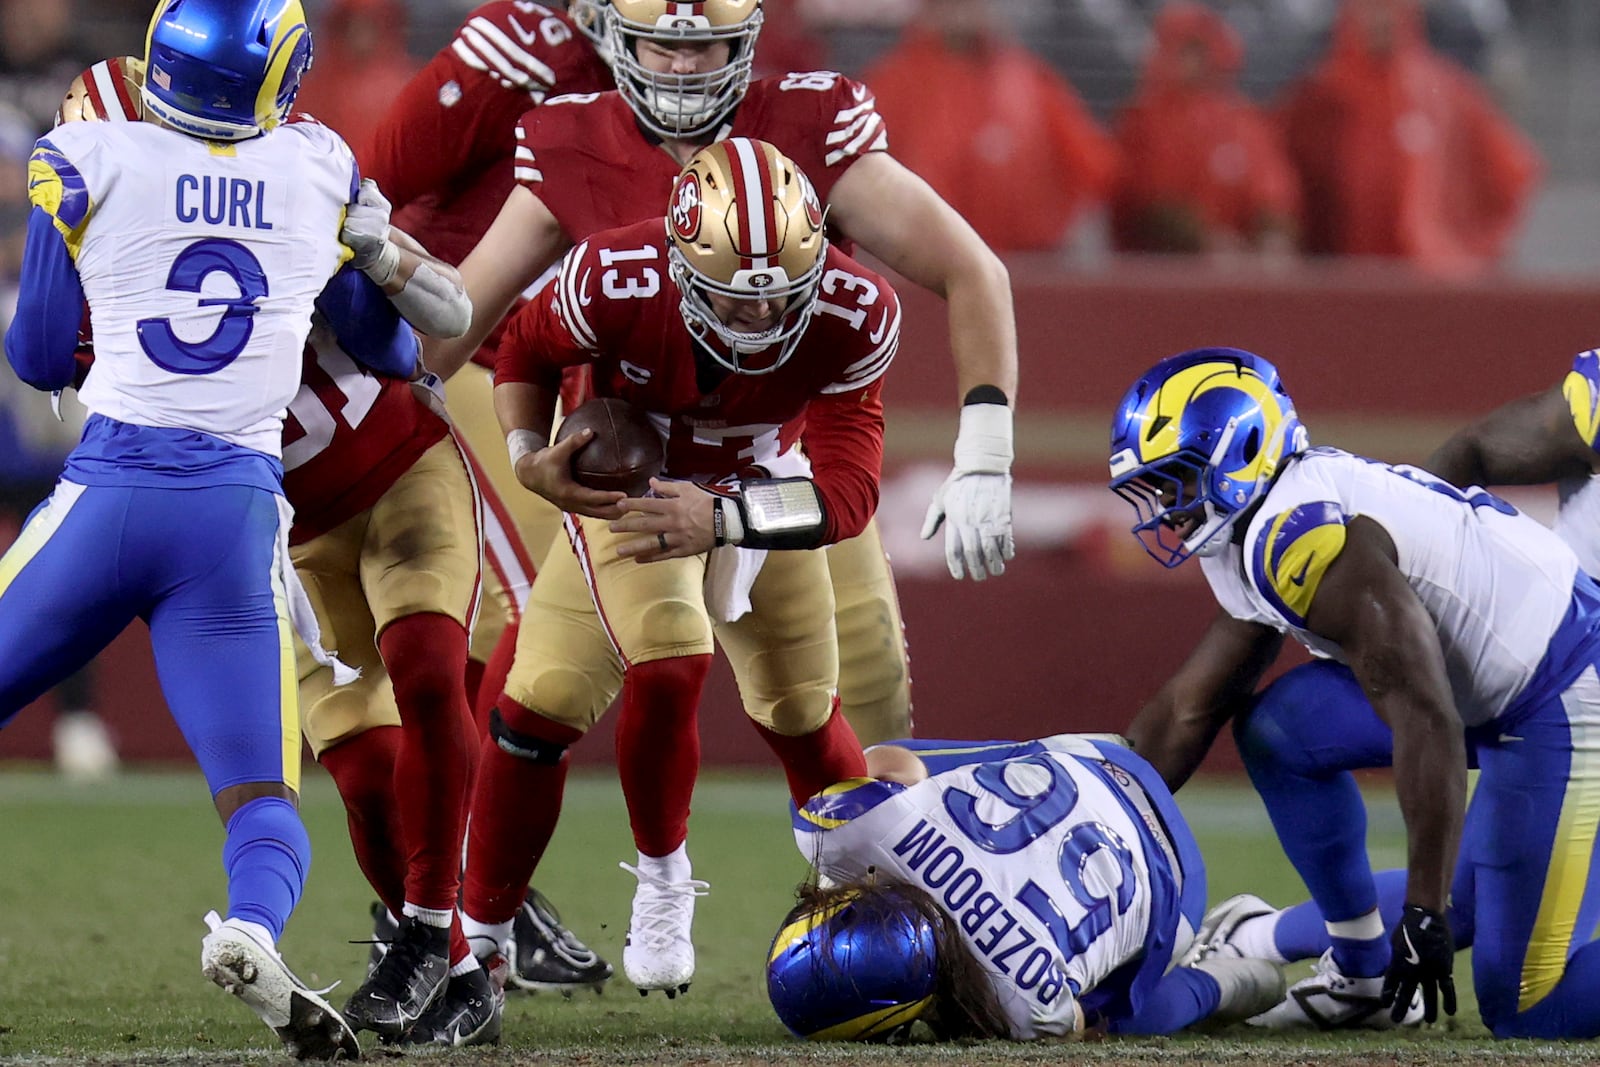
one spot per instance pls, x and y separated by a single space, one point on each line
659 951
1330 1000
237 959
1214 938
1249 987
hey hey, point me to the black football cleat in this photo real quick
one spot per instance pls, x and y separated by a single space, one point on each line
547 957
469 1012
411 975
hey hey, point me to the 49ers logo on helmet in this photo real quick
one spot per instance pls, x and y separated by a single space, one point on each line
685 214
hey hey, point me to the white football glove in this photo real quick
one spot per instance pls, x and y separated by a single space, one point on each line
974 503
366 234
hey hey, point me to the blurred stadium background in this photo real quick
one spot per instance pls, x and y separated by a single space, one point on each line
1382 356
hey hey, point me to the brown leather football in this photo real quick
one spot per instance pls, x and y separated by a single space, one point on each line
625 452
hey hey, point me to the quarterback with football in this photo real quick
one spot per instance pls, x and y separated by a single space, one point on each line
744 334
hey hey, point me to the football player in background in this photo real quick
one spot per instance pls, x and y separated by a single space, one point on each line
721 324
1445 618
171 507
1002 889
385 542
585 163
442 155
1544 438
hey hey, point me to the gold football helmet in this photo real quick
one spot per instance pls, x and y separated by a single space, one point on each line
744 223
107 90
682 105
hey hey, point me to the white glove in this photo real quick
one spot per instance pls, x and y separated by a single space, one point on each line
974 503
366 234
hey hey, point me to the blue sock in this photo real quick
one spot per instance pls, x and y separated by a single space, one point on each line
267 856
1183 996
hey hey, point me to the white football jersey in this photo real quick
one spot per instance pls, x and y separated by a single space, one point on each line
1496 582
1039 859
200 263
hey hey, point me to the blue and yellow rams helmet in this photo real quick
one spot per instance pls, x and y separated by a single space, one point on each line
1195 442
225 70
853 968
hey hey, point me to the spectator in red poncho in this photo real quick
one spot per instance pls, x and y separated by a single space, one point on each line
1202 168
995 130
359 64
1400 152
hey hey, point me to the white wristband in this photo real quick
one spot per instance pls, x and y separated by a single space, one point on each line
731 521
983 444
522 443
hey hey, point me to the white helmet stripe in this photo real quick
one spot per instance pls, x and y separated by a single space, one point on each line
755 205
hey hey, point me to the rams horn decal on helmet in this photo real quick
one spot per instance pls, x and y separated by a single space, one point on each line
1196 441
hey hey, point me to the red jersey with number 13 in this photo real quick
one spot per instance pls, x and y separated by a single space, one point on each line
613 306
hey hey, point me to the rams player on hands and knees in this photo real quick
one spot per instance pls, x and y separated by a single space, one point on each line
1002 889
742 332
1544 438
171 507
1442 618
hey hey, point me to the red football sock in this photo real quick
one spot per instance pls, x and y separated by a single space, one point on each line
426 658
812 762
515 806
495 673
362 767
658 748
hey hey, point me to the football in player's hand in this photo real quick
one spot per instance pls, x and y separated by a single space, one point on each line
625 451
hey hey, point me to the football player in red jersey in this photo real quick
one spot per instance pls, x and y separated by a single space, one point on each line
385 543
443 155
584 163
743 334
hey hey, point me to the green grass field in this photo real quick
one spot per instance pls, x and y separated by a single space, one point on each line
103 889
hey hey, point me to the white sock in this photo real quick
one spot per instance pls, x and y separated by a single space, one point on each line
673 867
430 916
466 966
486 938
1254 938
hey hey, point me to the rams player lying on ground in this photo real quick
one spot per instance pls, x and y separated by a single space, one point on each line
1002 889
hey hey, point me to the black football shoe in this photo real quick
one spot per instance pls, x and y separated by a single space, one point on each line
469 1012
409 978
547 957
